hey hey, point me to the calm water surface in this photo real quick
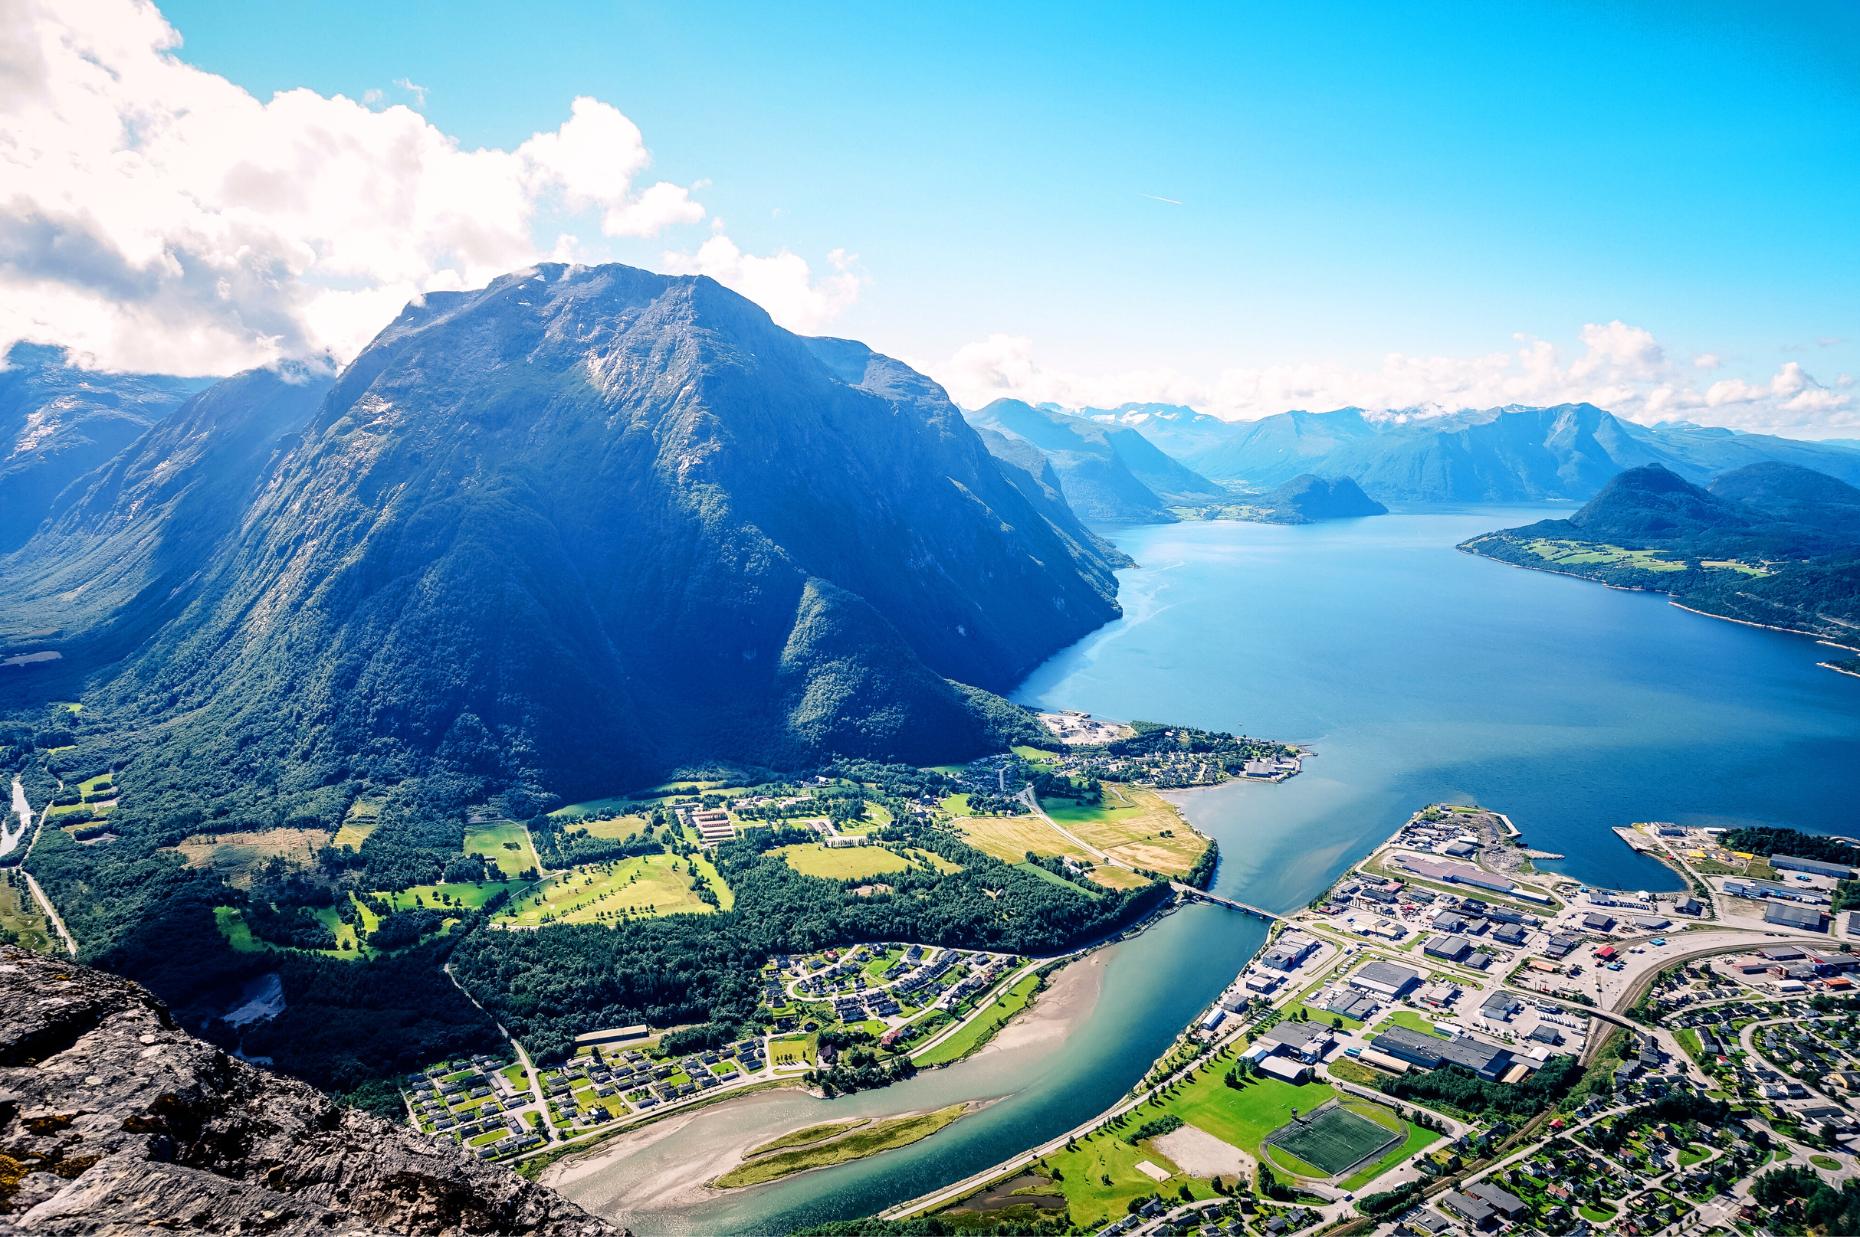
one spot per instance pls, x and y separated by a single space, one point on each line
1418 674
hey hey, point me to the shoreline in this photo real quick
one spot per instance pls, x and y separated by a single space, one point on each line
1070 995
1466 547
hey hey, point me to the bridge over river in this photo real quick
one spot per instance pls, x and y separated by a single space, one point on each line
1189 893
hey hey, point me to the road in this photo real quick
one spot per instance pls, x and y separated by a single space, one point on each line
51 914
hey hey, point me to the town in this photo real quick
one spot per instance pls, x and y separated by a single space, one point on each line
1454 1041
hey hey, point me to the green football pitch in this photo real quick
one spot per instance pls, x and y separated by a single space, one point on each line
1333 1139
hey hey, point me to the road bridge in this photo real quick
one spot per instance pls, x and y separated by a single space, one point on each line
1191 894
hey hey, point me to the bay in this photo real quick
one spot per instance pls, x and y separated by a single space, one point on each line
1416 674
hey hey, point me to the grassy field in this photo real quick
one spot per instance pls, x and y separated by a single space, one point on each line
20 919
792 1050
1009 838
868 1139
641 885
506 844
841 863
1413 1021
470 895
1116 878
238 856
809 1134
362 819
933 859
983 1026
1136 826
1053 878
612 828
1596 554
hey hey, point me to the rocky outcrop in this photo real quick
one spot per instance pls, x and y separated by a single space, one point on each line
114 1120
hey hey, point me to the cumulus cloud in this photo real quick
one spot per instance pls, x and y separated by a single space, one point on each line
782 283
156 216
1615 365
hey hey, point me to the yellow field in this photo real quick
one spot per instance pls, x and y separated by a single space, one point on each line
1138 827
841 863
612 828
600 892
1009 838
1116 878
238 856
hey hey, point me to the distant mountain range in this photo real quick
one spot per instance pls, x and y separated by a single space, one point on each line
573 531
1769 543
1108 473
1495 455
58 421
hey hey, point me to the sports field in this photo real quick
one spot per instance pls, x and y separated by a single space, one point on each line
1009 838
841 863
1136 826
1334 1139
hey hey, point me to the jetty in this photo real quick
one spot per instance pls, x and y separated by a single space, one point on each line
1189 893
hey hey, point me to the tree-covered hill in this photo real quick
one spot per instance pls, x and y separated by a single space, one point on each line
1769 543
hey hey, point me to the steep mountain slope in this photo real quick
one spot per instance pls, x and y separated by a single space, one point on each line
1111 474
1788 557
588 525
1510 454
58 421
118 1122
120 548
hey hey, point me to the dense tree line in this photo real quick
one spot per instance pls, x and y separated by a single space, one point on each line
1466 1091
551 985
1769 840
1796 1199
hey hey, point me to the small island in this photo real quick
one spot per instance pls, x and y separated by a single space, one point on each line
1305 499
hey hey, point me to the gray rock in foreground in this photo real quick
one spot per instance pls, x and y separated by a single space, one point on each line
114 1120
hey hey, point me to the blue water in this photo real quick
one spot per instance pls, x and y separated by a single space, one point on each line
1418 674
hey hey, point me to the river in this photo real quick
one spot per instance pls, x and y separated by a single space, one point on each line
1416 673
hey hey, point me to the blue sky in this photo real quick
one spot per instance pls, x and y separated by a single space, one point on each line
1444 182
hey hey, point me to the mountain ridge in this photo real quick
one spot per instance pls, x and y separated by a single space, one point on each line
586 526
1515 453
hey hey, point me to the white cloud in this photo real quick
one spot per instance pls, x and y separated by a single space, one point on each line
1619 367
1707 360
782 283
156 216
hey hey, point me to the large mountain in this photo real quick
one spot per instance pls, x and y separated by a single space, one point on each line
1108 473
1768 543
58 421
118 1122
588 525
1510 454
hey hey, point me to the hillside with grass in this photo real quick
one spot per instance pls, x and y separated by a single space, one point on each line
1772 543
